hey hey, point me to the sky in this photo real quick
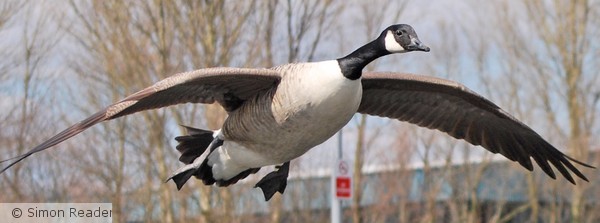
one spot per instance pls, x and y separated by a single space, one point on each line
437 23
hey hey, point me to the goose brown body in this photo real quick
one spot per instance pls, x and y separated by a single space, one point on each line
279 124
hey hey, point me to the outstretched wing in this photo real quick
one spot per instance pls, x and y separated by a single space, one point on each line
463 114
228 86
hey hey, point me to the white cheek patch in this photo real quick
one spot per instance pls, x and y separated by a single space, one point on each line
391 45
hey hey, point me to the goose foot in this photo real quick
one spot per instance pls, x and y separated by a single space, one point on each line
275 181
183 174
199 167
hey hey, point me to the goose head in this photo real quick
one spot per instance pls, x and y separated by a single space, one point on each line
399 38
402 38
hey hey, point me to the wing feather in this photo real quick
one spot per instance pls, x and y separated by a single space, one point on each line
463 114
227 86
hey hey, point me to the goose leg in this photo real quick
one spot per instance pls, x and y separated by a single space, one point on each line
275 181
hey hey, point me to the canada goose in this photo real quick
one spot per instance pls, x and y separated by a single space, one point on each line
277 114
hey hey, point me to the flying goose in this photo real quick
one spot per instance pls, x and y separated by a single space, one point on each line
278 114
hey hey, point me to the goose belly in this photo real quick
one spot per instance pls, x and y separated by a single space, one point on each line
319 121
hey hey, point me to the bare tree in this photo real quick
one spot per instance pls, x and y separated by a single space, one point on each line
8 9
136 44
542 51
545 45
24 67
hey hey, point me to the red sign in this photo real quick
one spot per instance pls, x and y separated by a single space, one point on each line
343 187
343 180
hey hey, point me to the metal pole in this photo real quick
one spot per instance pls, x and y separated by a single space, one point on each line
336 203
340 144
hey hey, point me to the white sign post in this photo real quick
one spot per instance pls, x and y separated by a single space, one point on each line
341 183
336 205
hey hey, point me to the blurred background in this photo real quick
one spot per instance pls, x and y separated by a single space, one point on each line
63 60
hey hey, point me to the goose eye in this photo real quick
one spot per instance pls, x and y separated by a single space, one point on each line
399 32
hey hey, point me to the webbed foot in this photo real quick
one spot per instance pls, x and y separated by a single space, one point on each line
275 181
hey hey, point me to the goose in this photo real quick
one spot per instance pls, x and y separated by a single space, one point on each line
277 114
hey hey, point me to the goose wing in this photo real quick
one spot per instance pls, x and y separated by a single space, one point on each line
463 114
227 86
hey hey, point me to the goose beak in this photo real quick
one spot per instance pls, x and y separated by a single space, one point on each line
416 45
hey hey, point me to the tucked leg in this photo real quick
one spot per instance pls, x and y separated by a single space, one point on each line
275 181
198 168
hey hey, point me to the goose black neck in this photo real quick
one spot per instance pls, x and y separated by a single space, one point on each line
353 64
